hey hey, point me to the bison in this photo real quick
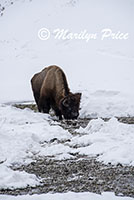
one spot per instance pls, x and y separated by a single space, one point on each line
50 90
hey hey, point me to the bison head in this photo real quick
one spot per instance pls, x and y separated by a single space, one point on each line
69 106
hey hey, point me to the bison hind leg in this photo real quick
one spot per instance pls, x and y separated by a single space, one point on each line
36 97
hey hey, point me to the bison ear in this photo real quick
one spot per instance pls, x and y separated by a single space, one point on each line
65 103
78 96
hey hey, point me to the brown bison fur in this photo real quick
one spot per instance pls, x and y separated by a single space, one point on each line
51 90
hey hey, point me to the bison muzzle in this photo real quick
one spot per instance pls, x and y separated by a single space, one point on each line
50 90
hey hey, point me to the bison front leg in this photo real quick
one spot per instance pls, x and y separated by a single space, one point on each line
58 113
44 105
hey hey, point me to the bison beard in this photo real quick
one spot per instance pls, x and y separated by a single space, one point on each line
50 90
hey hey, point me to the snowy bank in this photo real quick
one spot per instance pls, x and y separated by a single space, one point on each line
112 141
25 136
67 196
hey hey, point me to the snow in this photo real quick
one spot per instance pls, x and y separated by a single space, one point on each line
26 135
104 68
112 141
101 70
15 179
106 104
66 196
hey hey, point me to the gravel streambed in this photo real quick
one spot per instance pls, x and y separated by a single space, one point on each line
80 174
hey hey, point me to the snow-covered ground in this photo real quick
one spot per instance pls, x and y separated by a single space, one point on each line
25 135
101 70
67 196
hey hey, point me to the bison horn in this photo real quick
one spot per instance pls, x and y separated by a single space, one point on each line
65 103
